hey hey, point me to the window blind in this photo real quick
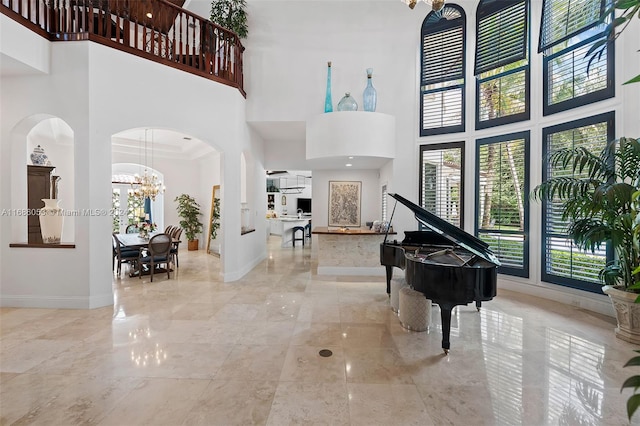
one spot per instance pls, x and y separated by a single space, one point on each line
563 262
442 108
567 75
501 34
441 180
442 55
384 202
563 19
502 208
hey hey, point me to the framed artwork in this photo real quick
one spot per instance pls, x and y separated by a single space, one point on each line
344 203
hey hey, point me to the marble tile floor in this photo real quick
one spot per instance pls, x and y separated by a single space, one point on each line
192 350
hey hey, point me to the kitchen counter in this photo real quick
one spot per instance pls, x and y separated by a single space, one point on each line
285 225
347 231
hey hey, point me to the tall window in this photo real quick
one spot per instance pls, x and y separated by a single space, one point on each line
502 62
569 28
562 262
384 202
502 207
441 180
442 76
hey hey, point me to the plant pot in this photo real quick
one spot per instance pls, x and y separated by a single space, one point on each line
627 313
192 245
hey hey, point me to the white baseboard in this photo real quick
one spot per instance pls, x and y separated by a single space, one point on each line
55 302
236 275
576 298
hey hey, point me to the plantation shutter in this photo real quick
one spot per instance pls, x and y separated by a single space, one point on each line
501 34
441 181
442 54
563 263
442 71
502 207
384 202
563 19
442 108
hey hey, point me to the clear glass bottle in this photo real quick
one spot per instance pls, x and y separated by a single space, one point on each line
370 96
347 103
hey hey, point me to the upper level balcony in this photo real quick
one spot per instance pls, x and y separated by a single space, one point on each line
158 30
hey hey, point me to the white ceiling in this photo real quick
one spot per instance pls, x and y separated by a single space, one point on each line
165 144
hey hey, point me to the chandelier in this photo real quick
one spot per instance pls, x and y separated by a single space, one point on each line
436 5
148 185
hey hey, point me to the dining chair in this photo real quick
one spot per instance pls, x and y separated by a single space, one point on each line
131 229
177 232
122 254
159 252
168 230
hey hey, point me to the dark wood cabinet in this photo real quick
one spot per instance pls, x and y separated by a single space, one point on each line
38 187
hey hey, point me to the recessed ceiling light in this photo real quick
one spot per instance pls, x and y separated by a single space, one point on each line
350 158
348 164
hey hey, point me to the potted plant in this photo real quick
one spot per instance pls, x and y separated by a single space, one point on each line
598 205
189 212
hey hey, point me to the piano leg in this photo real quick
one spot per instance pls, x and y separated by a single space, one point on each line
478 305
389 276
445 316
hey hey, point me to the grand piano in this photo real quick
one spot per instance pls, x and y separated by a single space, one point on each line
446 264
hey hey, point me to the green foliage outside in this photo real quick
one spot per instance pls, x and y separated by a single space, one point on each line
115 204
230 14
215 219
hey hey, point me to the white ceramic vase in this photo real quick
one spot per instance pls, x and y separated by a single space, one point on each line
51 220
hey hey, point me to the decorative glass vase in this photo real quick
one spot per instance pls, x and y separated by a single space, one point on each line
370 96
347 103
51 220
328 103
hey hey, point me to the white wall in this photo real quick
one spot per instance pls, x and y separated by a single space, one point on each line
99 92
370 197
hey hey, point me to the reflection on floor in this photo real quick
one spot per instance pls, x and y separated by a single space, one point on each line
195 350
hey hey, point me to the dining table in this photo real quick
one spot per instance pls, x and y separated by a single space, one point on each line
135 241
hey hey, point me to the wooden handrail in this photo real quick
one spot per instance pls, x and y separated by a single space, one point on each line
153 29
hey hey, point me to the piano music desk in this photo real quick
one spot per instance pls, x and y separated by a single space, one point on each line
353 251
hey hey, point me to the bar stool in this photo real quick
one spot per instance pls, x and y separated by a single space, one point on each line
293 233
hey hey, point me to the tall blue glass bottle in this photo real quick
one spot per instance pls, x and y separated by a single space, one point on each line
328 103
370 96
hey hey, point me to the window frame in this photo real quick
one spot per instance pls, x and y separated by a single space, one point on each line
436 147
488 8
526 136
589 98
609 118
427 28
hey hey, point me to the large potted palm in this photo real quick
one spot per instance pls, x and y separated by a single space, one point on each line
597 203
189 212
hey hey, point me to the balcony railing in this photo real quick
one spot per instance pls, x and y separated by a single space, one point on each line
153 29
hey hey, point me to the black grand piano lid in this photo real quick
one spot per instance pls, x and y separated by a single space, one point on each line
449 231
